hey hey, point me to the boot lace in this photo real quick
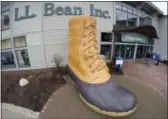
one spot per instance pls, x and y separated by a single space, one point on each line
91 49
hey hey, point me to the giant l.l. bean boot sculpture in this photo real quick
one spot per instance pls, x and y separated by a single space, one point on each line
90 74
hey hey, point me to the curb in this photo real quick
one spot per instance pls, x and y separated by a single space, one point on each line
20 110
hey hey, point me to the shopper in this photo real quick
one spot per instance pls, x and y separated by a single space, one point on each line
147 58
157 59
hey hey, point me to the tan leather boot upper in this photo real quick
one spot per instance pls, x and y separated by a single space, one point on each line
83 56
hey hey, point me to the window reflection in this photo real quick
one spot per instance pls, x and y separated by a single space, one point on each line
127 16
145 19
7 60
23 58
132 20
6 44
121 18
106 51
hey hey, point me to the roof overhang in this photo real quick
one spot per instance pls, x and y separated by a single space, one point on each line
146 30
148 7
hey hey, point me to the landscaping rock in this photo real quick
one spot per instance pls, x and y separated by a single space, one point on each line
23 82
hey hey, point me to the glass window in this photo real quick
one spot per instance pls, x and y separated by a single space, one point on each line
145 19
121 18
119 50
151 49
117 37
7 60
23 58
131 20
5 20
6 44
145 51
140 14
106 37
20 42
130 10
139 52
124 8
129 52
135 12
106 51
118 6
152 41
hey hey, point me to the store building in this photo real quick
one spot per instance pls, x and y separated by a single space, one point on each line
33 32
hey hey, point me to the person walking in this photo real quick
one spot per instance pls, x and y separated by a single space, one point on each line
147 58
157 59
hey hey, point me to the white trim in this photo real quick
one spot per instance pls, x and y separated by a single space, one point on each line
105 43
12 41
117 43
5 38
43 46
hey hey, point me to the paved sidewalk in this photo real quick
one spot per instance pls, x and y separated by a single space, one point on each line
154 76
7 114
65 103
10 111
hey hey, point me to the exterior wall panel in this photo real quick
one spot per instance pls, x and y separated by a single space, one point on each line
56 37
36 57
160 45
56 49
35 50
102 23
30 24
6 34
55 21
34 39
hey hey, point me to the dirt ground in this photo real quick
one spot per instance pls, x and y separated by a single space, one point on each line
42 83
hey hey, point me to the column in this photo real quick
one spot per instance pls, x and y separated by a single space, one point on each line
135 51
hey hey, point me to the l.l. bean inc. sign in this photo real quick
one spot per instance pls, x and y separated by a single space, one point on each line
50 9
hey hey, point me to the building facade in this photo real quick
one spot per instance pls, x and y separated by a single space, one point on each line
33 32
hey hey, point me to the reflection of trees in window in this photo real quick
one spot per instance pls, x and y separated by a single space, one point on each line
21 53
7 60
145 19
121 18
6 20
23 58
20 42
125 16
132 19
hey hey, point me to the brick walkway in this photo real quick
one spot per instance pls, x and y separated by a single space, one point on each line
65 103
154 76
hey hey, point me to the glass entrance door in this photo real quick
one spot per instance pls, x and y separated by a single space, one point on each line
125 51
119 50
129 51
139 52
145 51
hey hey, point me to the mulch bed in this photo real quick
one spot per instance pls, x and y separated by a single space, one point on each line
42 83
